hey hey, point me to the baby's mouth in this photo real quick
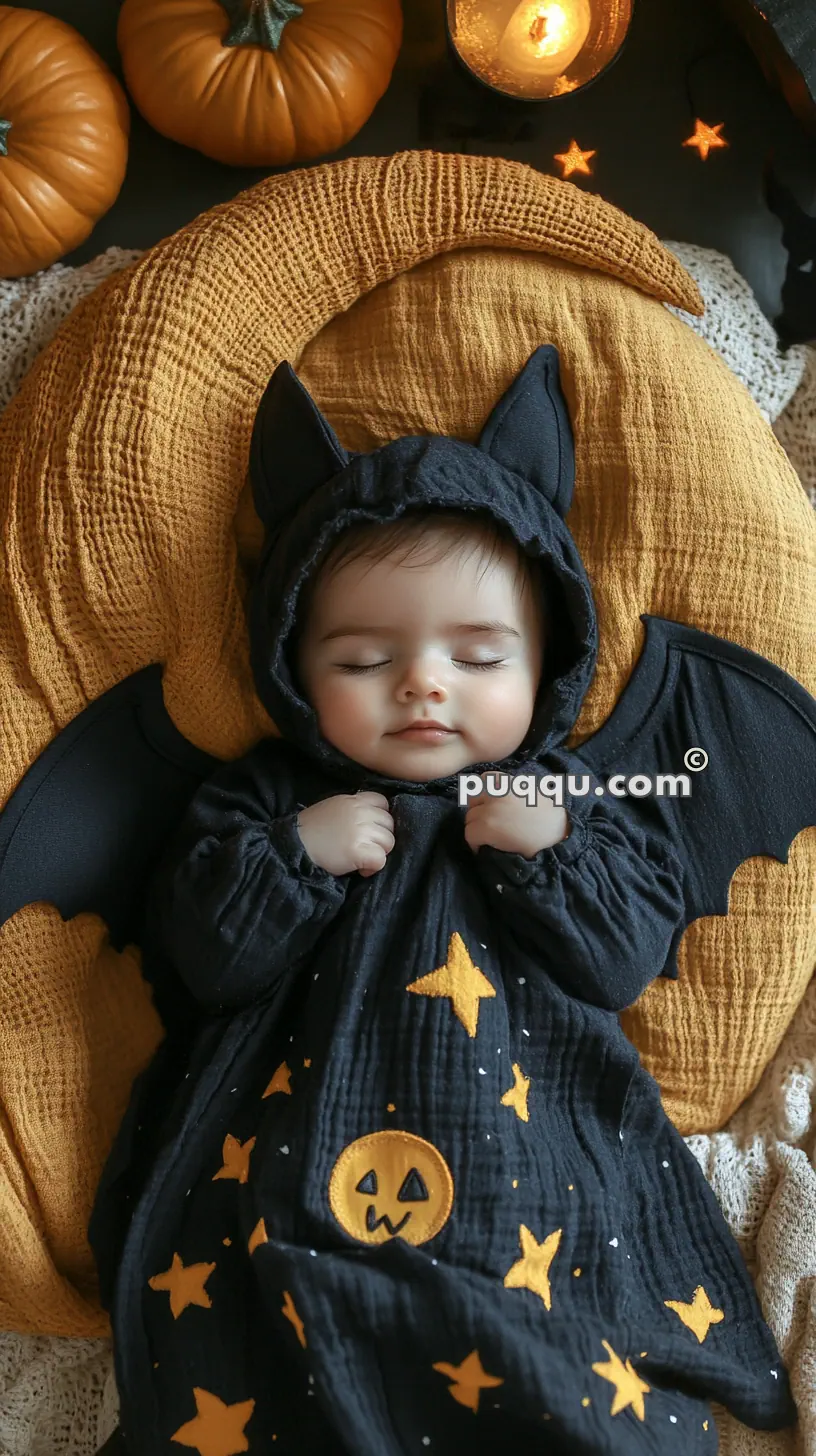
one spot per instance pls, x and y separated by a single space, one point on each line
423 734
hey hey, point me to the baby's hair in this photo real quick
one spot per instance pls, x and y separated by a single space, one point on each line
428 535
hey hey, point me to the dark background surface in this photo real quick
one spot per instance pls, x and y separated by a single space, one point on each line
682 59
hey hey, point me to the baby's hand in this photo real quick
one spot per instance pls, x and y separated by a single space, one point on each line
348 832
510 823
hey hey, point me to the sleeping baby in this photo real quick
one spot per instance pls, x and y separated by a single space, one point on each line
416 1192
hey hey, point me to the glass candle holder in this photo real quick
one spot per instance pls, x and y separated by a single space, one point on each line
534 49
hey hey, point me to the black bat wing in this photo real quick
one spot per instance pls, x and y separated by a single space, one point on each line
692 690
86 825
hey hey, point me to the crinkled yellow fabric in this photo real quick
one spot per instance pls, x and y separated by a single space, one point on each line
129 538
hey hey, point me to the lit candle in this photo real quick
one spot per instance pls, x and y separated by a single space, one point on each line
535 49
543 37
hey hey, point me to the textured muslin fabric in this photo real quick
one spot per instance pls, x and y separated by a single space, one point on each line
420 1141
122 459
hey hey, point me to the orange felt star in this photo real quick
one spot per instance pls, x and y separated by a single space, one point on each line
469 1379
185 1285
516 1096
532 1270
700 1315
257 1237
706 137
288 1309
460 980
574 160
280 1081
236 1159
629 1388
218 1429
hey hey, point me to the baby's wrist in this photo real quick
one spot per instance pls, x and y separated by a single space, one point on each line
559 828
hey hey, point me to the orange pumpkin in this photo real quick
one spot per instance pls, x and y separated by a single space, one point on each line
64 127
258 83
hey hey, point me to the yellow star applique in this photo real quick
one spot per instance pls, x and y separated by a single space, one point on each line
290 1313
516 1096
629 1388
700 1315
532 1270
257 1237
185 1285
469 1379
459 979
236 1159
218 1429
280 1081
706 137
574 160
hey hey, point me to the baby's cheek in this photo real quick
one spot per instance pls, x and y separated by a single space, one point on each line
348 707
509 704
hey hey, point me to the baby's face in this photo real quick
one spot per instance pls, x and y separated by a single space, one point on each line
387 645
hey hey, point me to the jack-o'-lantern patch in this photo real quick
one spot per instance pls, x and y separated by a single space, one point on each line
390 1185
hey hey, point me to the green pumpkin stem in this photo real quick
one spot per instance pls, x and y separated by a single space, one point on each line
5 128
258 22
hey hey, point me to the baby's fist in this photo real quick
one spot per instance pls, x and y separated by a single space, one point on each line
348 832
507 822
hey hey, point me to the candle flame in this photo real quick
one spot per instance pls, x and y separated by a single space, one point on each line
543 37
548 30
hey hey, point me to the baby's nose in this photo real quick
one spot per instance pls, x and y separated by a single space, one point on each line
423 675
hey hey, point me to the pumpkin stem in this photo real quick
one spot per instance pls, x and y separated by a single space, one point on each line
258 22
5 128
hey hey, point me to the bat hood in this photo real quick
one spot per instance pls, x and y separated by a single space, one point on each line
308 489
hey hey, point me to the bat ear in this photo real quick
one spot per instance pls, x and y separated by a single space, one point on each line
293 448
529 430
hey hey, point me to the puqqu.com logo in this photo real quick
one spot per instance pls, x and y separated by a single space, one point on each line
554 786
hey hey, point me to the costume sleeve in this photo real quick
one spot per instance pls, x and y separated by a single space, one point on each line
236 899
599 909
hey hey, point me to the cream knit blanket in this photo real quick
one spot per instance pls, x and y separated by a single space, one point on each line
57 1396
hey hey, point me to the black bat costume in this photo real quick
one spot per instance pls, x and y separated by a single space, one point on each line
396 1181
